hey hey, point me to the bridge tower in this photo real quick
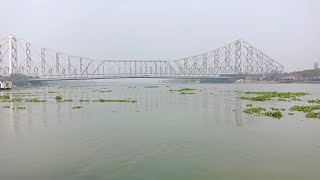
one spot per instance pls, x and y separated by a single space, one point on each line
13 62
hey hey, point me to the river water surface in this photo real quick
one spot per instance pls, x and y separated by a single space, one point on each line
164 135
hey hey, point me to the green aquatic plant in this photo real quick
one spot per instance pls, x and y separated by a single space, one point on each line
258 98
249 105
21 108
12 100
77 107
116 100
277 109
58 98
317 101
183 89
35 100
182 93
67 100
6 107
313 115
104 91
290 113
84 100
305 108
278 94
267 96
16 100
254 110
4 97
151 87
258 111
274 114
309 110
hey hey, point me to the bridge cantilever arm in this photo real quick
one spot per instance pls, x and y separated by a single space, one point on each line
86 68
98 67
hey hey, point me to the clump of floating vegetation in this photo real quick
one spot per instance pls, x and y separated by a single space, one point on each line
183 89
12 100
6 107
290 113
317 101
16 100
104 91
151 87
254 110
77 107
274 114
35 100
308 109
21 108
258 98
84 100
4 97
116 100
277 109
182 93
313 115
305 108
249 105
58 98
267 96
258 111
67 100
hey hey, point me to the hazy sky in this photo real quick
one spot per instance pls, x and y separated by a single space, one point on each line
287 30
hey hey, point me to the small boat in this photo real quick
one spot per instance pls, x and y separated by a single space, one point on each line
5 85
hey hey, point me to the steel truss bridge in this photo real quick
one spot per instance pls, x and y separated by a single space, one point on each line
20 56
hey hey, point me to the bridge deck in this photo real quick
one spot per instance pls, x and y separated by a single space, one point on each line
130 77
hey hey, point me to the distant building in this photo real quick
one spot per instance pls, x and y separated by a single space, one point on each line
294 77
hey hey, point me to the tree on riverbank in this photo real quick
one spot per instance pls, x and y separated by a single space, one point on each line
17 79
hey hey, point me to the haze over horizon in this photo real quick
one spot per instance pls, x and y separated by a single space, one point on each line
287 31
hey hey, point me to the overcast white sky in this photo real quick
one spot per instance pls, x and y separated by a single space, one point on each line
287 30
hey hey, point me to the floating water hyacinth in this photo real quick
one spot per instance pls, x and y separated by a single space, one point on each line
20 108
84 100
267 96
258 111
183 90
4 97
182 93
317 101
58 98
77 107
116 100
305 108
35 100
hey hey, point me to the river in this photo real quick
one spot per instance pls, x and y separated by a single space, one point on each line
164 135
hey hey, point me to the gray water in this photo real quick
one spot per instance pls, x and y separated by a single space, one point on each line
164 135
